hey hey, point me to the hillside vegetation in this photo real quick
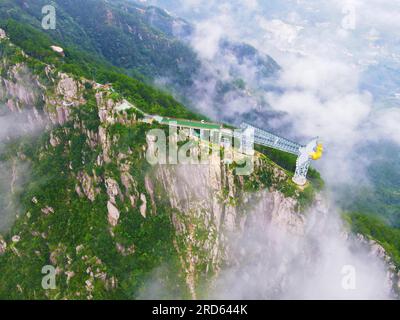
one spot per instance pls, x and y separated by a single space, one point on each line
89 164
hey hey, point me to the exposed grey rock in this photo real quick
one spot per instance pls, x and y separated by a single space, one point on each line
113 189
125 251
88 185
143 206
54 141
150 189
377 250
68 88
69 275
3 34
47 210
21 87
3 245
113 214
105 143
208 198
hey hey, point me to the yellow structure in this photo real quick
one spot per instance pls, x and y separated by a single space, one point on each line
317 154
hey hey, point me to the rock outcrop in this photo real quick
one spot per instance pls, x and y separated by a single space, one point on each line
3 246
113 214
204 202
209 200
377 250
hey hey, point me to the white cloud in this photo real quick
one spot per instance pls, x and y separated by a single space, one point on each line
206 38
386 125
323 63
281 33
13 173
324 60
271 263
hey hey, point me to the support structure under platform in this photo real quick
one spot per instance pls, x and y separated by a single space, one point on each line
304 153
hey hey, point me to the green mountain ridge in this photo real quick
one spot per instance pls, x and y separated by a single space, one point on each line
93 208
97 260
141 42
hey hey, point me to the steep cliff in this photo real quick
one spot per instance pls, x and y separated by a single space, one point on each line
98 212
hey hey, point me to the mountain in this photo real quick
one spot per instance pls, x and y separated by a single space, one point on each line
78 193
88 202
149 44
381 195
107 30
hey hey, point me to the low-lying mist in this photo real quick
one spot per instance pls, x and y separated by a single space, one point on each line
323 263
324 88
13 172
311 256
325 50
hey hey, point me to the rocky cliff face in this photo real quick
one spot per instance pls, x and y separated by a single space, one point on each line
100 214
377 250
210 204
207 202
106 219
